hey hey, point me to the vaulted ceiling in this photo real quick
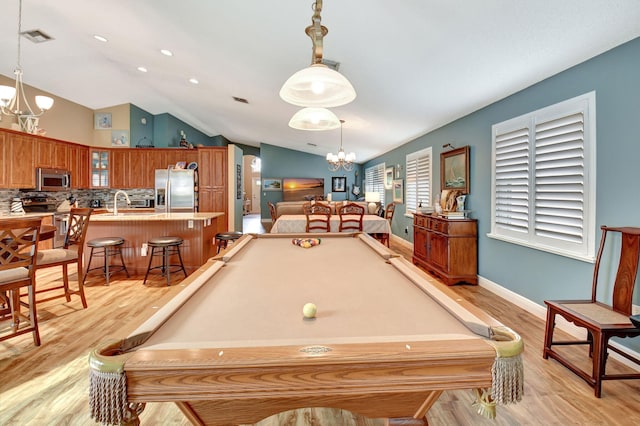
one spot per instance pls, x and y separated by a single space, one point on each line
415 64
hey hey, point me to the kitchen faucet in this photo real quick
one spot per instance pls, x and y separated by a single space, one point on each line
115 201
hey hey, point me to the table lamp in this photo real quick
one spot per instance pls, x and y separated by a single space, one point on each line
373 198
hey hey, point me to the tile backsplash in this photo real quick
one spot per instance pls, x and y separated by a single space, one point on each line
84 196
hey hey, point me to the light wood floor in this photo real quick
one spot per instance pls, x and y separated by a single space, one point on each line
48 385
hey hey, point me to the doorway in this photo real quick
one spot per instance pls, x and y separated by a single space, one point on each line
251 185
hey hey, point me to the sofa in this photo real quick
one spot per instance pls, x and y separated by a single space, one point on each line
295 207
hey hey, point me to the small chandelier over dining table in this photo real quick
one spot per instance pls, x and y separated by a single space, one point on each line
341 159
13 101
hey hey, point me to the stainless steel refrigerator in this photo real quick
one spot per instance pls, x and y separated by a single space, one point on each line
175 190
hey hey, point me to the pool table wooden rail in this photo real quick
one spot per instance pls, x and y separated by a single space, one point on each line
245 385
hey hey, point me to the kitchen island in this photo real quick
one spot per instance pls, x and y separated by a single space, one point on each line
198 230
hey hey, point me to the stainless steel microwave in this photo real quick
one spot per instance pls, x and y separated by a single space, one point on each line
52 179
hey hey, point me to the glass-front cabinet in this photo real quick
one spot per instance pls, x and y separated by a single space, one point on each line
99 169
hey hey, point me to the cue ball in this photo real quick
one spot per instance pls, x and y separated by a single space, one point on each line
309 310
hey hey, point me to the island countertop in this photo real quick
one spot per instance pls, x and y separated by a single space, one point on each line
153 216
198 231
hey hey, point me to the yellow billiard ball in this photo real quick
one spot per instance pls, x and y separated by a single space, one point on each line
309 310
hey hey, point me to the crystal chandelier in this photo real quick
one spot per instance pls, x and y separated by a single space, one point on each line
13 101
342 159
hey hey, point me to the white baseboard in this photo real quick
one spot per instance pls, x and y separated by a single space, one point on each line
541 312
401 242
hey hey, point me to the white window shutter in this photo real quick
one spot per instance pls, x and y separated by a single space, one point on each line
418 180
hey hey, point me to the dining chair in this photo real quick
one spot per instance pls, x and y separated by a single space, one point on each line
70 252
351 215
273 212
388 215
601 321
18 250
318 218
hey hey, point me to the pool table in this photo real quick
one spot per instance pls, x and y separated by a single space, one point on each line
233 347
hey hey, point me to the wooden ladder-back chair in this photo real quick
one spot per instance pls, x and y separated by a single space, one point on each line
318 218
351 215
70 253
388 214
601 321
18 250
272 212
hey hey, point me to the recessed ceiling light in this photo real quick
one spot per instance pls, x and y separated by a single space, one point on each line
193 81
166 52
100 38
142 69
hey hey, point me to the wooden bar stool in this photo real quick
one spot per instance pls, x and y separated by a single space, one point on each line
166 247
106 247
223 238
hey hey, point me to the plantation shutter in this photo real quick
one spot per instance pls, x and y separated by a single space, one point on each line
374 177
418 180
512 180
544 178
559 178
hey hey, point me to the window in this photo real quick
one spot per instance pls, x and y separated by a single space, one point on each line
418 180
374 181
543 179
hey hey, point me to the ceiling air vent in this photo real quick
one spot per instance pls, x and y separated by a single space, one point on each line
241 100
36 36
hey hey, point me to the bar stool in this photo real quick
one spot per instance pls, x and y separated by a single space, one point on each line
166 246
223 238
106 246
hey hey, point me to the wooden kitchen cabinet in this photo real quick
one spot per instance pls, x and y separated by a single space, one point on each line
51 153
212 166
20 170
4 160
212 180
100 165
448 248
129 169
78 164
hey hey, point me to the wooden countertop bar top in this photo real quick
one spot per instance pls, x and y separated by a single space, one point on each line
153 216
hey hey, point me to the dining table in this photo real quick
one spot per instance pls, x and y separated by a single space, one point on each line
297 223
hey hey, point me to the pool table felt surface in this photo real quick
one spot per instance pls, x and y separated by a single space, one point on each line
256 299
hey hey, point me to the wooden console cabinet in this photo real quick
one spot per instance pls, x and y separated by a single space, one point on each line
448 248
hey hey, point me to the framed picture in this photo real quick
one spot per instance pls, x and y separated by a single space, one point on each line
102 120
339 184
398 191
120 138
454 170
269 184
388 178
306 189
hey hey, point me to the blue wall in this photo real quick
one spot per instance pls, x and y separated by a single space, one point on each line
537 275
141 134
286 163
